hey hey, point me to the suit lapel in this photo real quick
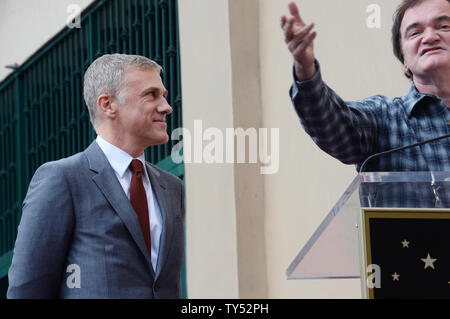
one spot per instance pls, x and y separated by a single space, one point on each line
159 188
107 182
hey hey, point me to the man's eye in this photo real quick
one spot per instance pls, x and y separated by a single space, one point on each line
444 26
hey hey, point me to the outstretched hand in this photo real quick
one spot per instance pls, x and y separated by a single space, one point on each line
299 40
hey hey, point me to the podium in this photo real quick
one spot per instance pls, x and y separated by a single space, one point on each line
392 230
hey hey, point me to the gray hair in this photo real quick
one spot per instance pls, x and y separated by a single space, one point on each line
105 76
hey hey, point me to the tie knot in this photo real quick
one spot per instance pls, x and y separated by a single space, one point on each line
136 166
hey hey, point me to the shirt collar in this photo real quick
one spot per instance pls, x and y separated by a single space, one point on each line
412 99
118 158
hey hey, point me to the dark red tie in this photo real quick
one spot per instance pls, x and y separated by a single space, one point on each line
138 200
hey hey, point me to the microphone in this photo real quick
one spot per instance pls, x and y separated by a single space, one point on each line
434 187
400 149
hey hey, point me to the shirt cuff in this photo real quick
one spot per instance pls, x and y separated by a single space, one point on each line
314 78
310 86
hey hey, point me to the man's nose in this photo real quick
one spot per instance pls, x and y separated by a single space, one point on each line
165 107
430 35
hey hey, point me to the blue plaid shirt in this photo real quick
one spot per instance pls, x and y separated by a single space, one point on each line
352 131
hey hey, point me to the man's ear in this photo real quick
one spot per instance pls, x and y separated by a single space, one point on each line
406 68
106 106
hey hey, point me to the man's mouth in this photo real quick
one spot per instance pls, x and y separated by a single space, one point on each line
432 49
160 122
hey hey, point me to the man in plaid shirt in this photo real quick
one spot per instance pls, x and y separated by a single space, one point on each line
352 131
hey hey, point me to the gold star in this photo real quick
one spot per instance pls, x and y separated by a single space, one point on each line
405 243
429 262
395 277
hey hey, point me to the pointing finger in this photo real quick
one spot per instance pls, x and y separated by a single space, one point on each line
294 12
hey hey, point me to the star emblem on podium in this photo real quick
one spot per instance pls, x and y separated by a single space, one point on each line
395 277
429 262
405 243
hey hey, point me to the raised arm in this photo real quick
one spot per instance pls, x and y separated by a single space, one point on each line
345 130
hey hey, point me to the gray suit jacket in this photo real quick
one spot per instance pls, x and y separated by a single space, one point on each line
76 213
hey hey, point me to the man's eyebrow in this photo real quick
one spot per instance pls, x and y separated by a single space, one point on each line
411 26
443 17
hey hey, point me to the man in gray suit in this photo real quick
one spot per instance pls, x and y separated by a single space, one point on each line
104 223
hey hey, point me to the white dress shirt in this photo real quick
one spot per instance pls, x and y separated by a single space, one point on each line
120 162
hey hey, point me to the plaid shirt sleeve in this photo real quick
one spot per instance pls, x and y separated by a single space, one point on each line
345 130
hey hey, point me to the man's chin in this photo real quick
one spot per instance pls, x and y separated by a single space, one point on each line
163 139
433 62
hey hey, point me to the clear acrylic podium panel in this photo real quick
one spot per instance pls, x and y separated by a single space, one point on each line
333 250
